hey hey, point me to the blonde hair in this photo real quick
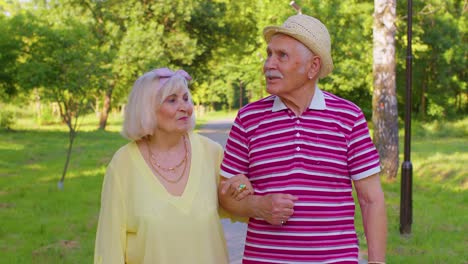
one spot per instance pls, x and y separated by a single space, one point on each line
146 97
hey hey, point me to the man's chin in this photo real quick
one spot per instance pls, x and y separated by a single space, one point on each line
271 89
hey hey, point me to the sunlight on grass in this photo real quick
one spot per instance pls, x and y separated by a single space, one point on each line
10 146
35 166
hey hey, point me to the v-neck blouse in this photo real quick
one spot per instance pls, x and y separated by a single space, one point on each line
141 222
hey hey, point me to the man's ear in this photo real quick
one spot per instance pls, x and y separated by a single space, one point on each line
315 65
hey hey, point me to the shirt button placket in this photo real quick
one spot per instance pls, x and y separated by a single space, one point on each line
298 134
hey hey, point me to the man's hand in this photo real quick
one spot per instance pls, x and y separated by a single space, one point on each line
276 208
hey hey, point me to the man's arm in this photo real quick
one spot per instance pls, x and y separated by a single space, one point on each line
374 217
273 208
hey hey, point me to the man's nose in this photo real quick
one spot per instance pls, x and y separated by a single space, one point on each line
270 63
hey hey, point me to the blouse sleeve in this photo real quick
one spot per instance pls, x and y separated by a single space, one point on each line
223 213
111 231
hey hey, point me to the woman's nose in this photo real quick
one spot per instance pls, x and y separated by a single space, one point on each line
184 106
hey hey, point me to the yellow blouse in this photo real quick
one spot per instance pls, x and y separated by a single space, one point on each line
140 222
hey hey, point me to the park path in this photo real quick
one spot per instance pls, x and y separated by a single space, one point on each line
234 232
218 131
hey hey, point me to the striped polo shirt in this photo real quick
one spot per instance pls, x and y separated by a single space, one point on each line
315 157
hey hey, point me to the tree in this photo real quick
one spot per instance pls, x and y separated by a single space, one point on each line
384 101
10 48
59 61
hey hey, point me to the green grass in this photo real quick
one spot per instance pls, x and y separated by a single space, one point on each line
40 224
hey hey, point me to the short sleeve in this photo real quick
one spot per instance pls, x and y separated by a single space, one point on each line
236 155
363 158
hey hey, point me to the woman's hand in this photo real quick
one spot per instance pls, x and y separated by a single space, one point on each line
238 187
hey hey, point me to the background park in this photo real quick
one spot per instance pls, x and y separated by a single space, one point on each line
66 67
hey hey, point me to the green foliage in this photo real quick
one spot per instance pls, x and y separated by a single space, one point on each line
221 44
60 63
440 54
10 46
6 119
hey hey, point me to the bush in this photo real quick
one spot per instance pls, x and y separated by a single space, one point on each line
6 119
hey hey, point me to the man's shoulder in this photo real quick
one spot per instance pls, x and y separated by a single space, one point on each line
335 102
262 105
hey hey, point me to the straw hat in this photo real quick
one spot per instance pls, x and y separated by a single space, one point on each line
310 32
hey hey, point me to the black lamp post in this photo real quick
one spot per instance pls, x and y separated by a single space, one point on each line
406 207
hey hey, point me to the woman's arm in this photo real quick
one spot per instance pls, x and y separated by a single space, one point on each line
111 233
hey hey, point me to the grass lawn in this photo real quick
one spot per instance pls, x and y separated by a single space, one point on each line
40 224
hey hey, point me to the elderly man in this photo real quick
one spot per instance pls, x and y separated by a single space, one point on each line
302 149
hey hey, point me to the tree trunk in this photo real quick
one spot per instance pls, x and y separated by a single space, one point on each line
105 108
71 139
384 101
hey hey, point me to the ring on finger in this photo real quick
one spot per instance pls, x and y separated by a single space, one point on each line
241 187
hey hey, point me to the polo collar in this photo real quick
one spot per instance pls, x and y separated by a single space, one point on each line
317 103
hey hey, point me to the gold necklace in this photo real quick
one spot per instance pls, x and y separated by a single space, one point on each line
153 162
170 169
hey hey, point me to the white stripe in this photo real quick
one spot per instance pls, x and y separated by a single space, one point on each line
242 129
273 146
264 122
321 131
360 122
286 173
233 169
307 157
343 110
236 156
300 248
320 219
252 111
301 188
272 132
305 234
365 174
268 260
362 153
328 120
363 166
322 204
358 139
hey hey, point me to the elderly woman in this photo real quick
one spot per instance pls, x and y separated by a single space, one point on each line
159 199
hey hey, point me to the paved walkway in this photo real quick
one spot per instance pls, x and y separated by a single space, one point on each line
234 232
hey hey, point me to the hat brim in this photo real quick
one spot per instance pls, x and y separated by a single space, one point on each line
270 31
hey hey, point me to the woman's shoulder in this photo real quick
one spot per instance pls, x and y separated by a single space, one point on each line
124 152
206 142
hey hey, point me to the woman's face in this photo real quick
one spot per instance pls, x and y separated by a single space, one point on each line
175 112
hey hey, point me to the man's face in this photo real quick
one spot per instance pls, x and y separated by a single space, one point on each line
287 65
